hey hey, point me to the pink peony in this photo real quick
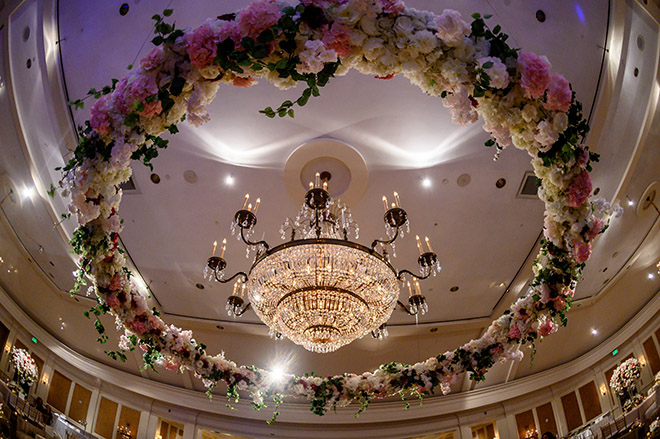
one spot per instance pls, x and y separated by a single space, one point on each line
337 38
579 189
118 96
257 17
139 88
559 94
202 46
229 29
451 27
583 158
243 82
100 120
534 74
112 301
153 59
546 328
514 332
581 250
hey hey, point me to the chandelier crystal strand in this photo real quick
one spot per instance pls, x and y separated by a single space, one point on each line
320 289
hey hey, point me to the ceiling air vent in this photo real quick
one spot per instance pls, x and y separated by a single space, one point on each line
528 186
129 187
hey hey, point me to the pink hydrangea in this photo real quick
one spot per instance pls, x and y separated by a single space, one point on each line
546 328
257 17
451 27
534 74
153 59
583 158
559 94
514 332
100 119
560 303
392 6
202 46
229 29
544 291
579 189
581 250
118 96
337 38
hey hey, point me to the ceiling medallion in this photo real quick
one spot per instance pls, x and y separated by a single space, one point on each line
320 289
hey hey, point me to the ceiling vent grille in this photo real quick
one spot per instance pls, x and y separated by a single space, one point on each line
528 186
129 187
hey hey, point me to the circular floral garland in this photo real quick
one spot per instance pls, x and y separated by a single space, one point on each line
624 376
27 371
470 67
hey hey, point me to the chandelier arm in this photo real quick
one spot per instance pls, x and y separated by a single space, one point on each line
405 308
238 314
250 243
224 281
401 273
389 241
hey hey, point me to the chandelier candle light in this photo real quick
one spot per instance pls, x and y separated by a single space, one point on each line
320 289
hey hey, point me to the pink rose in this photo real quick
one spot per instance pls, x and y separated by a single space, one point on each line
337 38
137 326
581 250
112 301
257 17
153 59
118 96
202 46
583 158
152 109
139 88
392 6
534 74
243 82
100 120
115 283
559 94
546 328
514 332
579 189
560 303
596 227
173 364
451 27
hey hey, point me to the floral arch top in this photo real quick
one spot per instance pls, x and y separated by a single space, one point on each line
470 67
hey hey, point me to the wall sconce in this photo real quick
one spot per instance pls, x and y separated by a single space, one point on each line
642 361
603 390
45 379
8 347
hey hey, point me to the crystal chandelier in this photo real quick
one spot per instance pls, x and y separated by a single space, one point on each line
319 289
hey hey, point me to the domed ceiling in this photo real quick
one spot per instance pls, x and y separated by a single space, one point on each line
484 235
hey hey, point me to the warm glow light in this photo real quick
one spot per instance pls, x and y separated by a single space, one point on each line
594 331
642 361
603 389
426 182
8 347
229 180
28 192
45 379
277 374
651 276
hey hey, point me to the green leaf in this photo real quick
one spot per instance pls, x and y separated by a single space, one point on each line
156 17
487 65
489 142
487 16
177 85
496 29
290 113
168 12
476 15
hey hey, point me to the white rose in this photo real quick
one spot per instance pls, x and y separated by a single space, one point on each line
529 112
451 27
499 77
424 40
403 25
368 25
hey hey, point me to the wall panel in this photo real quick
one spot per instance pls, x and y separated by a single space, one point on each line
652 355
571 411
590 401
546 418
105 419
58 392
525 422
79 403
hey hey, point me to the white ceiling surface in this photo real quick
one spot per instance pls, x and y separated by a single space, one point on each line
482 234
402 134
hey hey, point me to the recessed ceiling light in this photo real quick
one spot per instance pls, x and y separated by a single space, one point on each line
651 275
594 331
426 182
277 374
229 180
454 288
27 192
